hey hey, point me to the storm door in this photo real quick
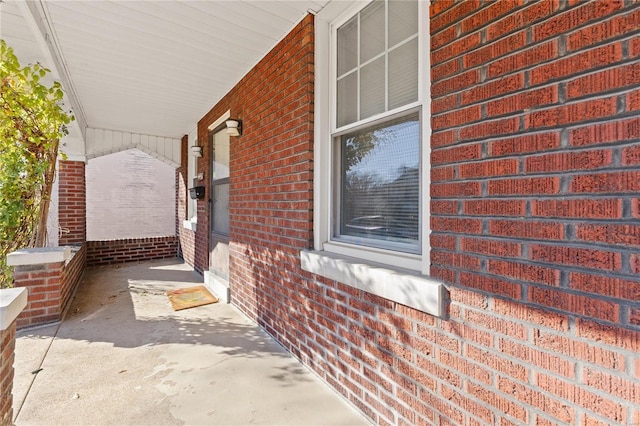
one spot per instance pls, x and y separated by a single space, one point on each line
219 208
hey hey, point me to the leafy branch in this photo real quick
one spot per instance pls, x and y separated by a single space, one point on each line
32 122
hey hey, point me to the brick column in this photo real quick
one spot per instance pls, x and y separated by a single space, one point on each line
72 202
13 301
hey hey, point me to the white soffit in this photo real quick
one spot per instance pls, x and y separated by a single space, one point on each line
15 30
156 67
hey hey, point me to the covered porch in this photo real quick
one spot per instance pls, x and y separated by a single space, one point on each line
123 356
512 298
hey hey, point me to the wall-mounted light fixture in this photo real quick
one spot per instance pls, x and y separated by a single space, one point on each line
196 151
234 127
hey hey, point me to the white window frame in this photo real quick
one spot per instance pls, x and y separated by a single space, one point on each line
397 276
327 22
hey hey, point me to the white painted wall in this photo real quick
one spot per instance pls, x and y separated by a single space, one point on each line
102 142
129 195
53 232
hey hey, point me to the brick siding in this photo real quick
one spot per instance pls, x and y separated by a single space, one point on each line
534 216
534 142
271 199
51 287
112 252
72 275
72 203
7 357
186 236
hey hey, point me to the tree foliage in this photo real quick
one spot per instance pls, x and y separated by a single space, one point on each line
32 121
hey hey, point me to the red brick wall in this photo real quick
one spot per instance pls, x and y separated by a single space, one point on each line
111 252
195 245
7 347
72 203
44 304
535 175
271 173
71 276
50 287
186 236
534 217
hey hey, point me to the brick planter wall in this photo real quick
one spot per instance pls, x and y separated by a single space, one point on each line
130 250
51 286
72 275
7 347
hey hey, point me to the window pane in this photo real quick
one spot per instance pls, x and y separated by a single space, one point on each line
380 182
403 20
348 99
372 88
403 74
221 155
348 46
372 31
221 208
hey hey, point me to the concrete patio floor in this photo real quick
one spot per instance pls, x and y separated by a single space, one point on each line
122 356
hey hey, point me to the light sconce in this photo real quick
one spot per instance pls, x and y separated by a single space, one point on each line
234 127
196 151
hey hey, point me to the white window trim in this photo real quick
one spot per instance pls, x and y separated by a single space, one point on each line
368 268
191 224
224 117
192 172
334 14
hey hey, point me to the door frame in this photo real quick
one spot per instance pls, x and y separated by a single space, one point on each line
216 237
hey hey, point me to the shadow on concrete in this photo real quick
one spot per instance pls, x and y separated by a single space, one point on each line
126 306
123 356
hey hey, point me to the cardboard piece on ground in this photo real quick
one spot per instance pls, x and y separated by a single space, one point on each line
184 298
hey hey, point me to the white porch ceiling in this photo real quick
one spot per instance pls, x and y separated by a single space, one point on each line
150 67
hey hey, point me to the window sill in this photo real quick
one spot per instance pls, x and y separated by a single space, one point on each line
190 224
398 285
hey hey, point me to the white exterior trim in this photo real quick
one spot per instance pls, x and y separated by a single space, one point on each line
191 224
40 25
224 117
424 94
102 142
399 277
405 287
12 302
333 14
73 157
38 256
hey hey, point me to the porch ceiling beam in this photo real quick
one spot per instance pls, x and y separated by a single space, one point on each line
39 22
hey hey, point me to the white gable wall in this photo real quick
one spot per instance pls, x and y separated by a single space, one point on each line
101 142
129 195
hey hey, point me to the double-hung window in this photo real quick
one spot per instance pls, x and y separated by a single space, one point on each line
376 132
371 159
371 124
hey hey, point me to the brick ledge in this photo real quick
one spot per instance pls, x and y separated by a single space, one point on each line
12 302
402 286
